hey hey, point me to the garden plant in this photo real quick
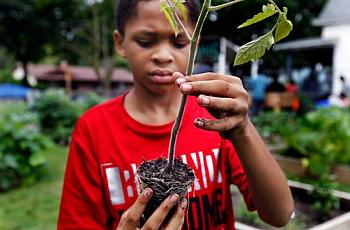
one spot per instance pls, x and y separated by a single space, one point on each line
21 147
169 176
319 139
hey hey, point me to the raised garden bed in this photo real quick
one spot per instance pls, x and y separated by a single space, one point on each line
294 166
305 215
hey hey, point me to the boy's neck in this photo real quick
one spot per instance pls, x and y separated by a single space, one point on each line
152 109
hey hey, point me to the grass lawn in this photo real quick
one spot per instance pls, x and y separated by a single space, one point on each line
36 206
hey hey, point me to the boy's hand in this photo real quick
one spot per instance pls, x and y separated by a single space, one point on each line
224 97
130 219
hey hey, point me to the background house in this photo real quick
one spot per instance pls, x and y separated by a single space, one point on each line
335 20
83 78
328 54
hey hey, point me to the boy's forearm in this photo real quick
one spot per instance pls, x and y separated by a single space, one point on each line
267 183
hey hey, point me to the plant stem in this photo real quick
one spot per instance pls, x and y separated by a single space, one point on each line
219 7
276 6
179 20
192 56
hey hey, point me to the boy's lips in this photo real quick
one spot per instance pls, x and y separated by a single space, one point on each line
161 76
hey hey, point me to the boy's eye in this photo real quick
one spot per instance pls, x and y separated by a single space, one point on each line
145 43
180 43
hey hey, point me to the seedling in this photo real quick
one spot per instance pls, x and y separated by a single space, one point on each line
162 174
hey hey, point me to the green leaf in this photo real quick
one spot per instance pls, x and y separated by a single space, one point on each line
179 4
170 10
169 13
268 11
255 49
284 26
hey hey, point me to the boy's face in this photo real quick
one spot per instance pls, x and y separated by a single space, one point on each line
151 48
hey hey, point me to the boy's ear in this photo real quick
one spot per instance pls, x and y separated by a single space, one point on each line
118 43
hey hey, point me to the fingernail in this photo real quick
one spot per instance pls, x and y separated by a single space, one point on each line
184 203
174 198
203 100
186 88
180 81
147 193
199 123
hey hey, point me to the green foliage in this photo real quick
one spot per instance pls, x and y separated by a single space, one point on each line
57 115
232 17
325 202
252 218
284 26
6 76
91 99
270 123
21 146
253 50
7 64
322 139
168 7
305 105
267 11
256 49
36 207
20 19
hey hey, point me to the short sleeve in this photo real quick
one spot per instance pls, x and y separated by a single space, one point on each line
83 204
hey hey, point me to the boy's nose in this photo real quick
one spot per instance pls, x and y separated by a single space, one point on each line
162 55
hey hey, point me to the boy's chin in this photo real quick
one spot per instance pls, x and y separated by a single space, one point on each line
163 89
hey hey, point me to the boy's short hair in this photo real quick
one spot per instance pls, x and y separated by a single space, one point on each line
127 8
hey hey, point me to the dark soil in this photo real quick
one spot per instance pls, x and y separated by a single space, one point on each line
152 174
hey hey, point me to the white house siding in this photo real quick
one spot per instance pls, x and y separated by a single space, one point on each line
341 55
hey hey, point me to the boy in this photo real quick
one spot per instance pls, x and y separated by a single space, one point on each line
112 139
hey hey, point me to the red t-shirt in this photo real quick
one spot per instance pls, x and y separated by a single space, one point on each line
108 145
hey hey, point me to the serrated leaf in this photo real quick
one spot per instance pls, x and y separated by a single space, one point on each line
268 7
255 49
284 26
169 13
268 11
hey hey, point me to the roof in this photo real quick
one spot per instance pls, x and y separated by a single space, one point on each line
335 12
305 43
79 73
11 91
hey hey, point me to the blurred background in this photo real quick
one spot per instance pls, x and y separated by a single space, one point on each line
57 60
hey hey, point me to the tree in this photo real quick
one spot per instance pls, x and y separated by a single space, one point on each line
28 25
92 40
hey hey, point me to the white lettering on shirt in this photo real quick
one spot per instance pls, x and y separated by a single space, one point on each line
204 167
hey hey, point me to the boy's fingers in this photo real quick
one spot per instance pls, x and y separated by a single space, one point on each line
213 87
157 218
177 75
229 105
221 125
213 76
177 221
133 215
